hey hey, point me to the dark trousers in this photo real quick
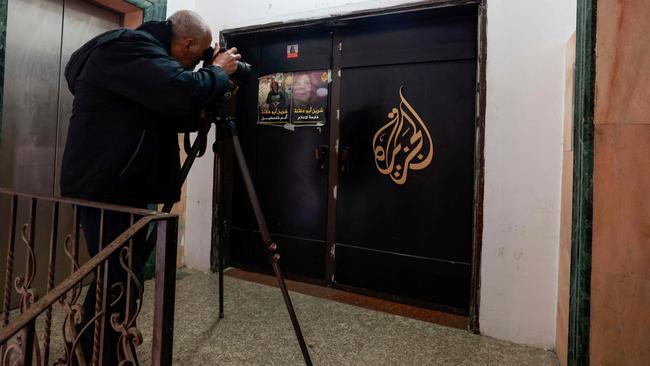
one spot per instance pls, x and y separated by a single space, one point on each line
115 223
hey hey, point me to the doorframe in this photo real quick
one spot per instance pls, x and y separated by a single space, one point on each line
132 16
583 169
4 10
135 12
479 140
479 169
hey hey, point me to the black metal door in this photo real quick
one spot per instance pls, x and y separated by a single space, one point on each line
291 183
404 195
405 190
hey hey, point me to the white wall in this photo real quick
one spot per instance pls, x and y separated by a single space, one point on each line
198 215
175 5
525 93
523 155
198 219
254 12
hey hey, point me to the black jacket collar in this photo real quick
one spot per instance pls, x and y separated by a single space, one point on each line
160 30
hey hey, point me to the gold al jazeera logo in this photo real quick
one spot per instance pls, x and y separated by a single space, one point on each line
403 144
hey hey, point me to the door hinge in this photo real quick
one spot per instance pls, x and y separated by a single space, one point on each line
337 114
340 46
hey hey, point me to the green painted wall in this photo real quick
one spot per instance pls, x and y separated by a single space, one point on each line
153 9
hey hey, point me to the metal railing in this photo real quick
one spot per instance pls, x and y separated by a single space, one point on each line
26 335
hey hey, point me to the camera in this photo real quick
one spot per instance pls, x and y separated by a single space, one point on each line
241 74
211 113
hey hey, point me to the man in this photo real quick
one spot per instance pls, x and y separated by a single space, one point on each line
134 90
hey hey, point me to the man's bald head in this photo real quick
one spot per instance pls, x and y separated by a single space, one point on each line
191 36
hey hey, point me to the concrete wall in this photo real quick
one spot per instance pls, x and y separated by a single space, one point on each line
523 166
564 270
523 153
175 5
181 208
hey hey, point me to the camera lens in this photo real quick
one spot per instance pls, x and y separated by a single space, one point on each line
208 55
243 70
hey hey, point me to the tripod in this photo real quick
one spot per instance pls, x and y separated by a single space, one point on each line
224 122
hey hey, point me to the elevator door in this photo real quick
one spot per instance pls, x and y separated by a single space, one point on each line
40 37
405 191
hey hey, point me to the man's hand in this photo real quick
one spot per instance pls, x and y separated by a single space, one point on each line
226 60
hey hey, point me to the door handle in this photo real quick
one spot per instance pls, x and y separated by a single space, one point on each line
344 159
321 154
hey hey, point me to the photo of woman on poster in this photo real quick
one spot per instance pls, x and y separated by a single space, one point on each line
293 98
276 98
309 97
309 89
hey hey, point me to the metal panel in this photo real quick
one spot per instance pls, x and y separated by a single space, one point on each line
405 194
27 144
81 22
450 35
417 241
291 185
315 48
40 39
428 212
31 86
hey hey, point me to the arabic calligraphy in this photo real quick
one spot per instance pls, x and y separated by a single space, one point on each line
403 144
310 110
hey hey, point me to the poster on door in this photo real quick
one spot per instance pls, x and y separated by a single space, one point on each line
274 98
294 99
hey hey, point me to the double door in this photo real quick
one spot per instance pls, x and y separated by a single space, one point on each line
380 199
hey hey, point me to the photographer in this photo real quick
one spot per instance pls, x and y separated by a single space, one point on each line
134 91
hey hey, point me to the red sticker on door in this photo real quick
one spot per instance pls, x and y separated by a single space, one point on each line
292 51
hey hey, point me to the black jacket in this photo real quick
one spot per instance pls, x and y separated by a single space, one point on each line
131 98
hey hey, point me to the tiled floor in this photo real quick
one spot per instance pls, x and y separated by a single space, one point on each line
368 302
256 331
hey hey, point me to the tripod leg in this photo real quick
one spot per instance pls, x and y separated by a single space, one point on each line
185 170
271 247
218 210
220 254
